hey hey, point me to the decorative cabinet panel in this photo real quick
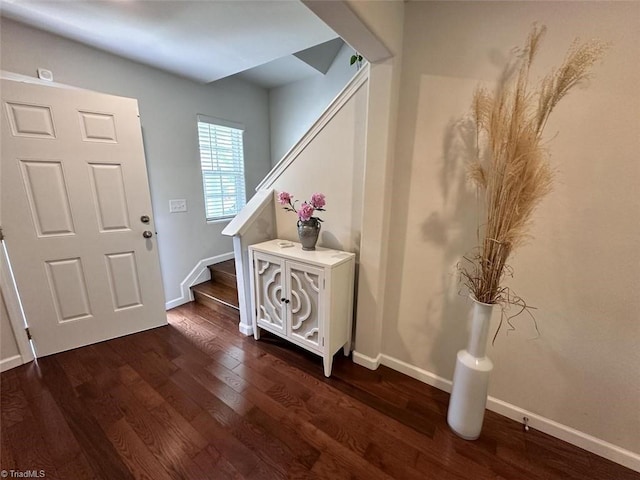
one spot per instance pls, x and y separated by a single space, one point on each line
269 273
305 297
305 303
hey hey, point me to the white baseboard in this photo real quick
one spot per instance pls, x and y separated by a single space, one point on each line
11 362
570 435
199 274
366 361
417 373
245 329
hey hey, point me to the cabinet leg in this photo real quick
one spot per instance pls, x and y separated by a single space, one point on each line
328 362
256 332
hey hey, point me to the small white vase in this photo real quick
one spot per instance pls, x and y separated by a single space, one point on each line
471 377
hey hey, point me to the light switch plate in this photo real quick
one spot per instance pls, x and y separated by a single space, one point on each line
178 205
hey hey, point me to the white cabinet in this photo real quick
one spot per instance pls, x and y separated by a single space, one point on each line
305 297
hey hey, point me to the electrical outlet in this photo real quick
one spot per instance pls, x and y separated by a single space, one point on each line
178 205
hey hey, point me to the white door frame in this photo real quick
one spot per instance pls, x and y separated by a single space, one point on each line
12 302
7 285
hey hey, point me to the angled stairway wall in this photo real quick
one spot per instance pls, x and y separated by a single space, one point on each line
330 159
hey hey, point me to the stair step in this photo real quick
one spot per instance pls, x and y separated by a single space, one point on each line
217 296
224 272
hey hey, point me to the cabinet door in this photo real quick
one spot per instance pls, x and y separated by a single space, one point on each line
269 292
306 287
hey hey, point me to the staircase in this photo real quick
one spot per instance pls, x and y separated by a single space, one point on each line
221 292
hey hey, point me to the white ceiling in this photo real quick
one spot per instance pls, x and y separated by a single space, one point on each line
203 40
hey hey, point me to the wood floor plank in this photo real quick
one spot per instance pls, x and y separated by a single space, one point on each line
170 445
33 453
7 459
180 429
237 454
215 400
144 392
73 368
321 441
388 462
104 460
61 444
13 403
153 368
221 390
216 466
78 469
100 403
141 463
197 400
443 455
253 377
179 400
304 453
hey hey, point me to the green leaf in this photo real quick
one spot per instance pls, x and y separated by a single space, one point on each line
353 59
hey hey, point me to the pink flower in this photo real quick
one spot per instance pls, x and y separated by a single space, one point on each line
305 212
284 198
317 200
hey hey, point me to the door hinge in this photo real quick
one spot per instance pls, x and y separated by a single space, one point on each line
28 333
323 341
324 283
1 234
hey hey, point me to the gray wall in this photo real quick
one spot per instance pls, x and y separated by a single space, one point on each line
168 107
293 108
580 270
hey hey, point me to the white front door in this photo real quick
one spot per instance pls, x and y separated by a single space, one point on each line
74 192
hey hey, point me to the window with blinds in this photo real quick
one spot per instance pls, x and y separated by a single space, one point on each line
222 162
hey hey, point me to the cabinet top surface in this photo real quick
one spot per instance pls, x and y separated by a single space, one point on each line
293 251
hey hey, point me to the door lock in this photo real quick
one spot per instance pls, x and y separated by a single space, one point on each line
144 219
147 234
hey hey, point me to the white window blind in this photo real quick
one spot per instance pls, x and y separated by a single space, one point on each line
222 162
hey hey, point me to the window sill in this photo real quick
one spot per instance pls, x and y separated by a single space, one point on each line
219 220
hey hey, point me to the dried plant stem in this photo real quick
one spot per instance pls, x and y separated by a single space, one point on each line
511 170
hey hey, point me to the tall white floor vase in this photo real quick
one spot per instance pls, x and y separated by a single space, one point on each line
471 377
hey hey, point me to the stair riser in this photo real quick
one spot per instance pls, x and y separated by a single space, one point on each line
223 277
215 305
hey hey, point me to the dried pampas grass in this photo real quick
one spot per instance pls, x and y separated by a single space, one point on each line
511 170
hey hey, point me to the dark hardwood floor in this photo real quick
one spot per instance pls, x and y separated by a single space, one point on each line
196 400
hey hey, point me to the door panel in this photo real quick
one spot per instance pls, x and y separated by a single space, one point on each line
306 286
67 283
97 127
109 197
46 190
270 292
74 186
30 120
123 278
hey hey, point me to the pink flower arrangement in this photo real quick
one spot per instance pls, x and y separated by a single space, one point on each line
318 201
307 209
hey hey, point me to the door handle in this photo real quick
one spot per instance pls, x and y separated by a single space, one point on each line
144 219
147 234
